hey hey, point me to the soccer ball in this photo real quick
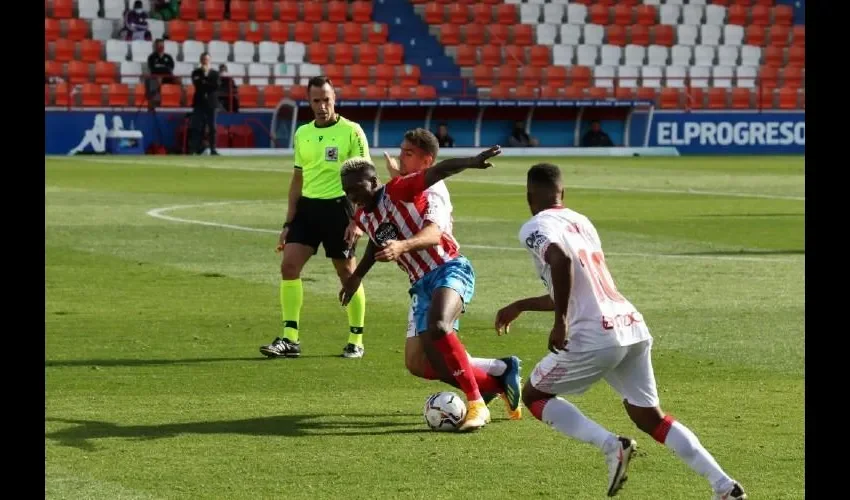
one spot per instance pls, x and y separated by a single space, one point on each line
444 411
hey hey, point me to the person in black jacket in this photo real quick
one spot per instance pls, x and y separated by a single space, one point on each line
205 103
596 137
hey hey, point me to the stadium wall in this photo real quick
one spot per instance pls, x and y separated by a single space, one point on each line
471 124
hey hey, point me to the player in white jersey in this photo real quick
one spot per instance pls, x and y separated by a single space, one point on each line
597 334
419 150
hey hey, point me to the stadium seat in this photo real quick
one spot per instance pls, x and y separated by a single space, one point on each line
409 75
249 96
327 32
579 76
63 9
240 10
105 72
694 98
741 98
311 12
358 75
91 50
349 92
279 32
555 76
675 76
91 95
616 35
737 14
663 35
377 33
171 95
203 31
482 14
337 11
87 9
304 33
192 50
521 34
214 10
399 92
62 94
367 54
639 35
130 72
243 52
482 76
259 74
774 56
788 98
792 77
715 15
263 11
756 35
599 14
118 94
352 33
64 50
268 52
751 55
646 93
604 76
76 29
189 10
670 98
272 95
721 76
628 76
219 51
457 14
288 11
343 54
717 99
318 53
177 30
384 75
507 75
745 76
797 56
733 35
392 53
646 15
425 92
799 35
506 14
78 72
530 14
624 15
624 93
52 29
778 36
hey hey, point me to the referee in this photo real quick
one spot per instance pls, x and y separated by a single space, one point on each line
319 213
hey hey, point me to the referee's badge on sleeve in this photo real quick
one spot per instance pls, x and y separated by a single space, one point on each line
331 153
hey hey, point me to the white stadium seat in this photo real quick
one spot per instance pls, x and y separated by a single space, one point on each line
745 76
699 76
669 14
681 55
192 50
658 55
258 74
285 74
604 76
750 55
141 49
131 72
733 34
243 52
183 70
529 13
709 34
610 55
728 55
236 71
715 15
635 55
628 76
686 34
117 50
563 55
554 13
594 34
570 34
546 34
269 52
704 55
721 76
294 52
88 9
651 76
576 13
675 77
586 55
692 14
219 51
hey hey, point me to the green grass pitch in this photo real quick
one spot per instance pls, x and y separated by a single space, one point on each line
162 282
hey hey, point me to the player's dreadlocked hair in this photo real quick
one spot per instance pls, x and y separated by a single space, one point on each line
545 175
358 165
424 140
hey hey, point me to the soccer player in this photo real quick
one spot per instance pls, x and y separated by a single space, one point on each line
608 339
318 213
419 150
403 228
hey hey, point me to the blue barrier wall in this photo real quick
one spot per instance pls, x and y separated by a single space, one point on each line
703 132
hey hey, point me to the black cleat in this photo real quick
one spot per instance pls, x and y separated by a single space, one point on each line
281 348
353 351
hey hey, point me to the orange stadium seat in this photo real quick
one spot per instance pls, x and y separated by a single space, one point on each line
551 93
337 11
491 55
797 56
375 92
177 30
774 56
288 11
788 98
526 92
783 15
792 77
458 14
62 94
778 35
228 31
599 14
328 32
539 56
384 75
450 34
500 91
367 54
695 98
52 29
63 9
76 29
350 92
91 95
599 92
361 12
737 14
768 77
624 93
482 76
514 55
646 15
799 35
91 50
304 32
474 34
298 92
397 92
766 98
580 76
482 14
214 10
118 94
498 34
172 94
318 53
312 12
645 93
335 73
663 34
139 98
434 14
760 15
358 75
507 14
352 33
53 68
466 55
263 10
616 35
555 76
623 15
343 54
755 35
717 98
64 50
203 31
741 98
393 53
105 72
79 72
279 32
573 92
249 96
189 10
240 10
377 33
522 34
409 75
529 75
272 95
639 35
507 74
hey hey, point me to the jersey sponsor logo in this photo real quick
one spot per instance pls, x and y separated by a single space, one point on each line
331 153
535 240
386 231
621 320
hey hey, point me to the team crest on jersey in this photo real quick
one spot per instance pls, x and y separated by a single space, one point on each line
331 153
534 240
386 231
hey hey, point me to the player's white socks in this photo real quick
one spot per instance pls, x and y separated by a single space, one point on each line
494 367
686 445
564 416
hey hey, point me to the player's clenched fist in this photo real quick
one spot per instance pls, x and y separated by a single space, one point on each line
505 317
391 251
558 337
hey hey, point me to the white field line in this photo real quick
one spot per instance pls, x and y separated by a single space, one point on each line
160 213
231 166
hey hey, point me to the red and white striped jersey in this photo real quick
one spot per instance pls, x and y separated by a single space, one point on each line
403 208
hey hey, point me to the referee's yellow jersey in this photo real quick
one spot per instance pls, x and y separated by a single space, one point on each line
321 151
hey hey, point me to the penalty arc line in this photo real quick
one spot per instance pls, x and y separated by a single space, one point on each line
160 213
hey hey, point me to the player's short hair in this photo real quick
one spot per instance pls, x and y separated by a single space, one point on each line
424 140
318 81
545 175
358 166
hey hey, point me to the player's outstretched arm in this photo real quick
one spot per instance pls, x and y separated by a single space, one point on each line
353 282
452 166
510 312
428 237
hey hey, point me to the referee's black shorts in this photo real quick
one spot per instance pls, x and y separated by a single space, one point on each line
322 221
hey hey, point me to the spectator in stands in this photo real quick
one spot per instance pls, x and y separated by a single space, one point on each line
135 23
165 10
519 138
596 137
443 137
227 91
160 70
205 79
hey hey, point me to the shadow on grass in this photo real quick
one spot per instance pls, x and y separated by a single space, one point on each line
79 434
157 362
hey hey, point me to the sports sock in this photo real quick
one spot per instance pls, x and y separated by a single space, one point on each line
495 367
457 362
291 298
486 383
565 417
356 310
686 445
